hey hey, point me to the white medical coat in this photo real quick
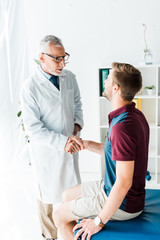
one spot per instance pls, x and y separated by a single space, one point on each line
49 116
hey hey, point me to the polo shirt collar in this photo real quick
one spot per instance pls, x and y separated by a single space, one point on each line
120 110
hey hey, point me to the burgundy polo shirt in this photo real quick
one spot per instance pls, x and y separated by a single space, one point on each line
127 139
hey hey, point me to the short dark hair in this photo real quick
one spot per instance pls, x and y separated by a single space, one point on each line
128 78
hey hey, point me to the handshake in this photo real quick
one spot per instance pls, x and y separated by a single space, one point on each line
74 144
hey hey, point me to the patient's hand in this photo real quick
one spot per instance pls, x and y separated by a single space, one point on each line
74 144
83 143
72 147
78 140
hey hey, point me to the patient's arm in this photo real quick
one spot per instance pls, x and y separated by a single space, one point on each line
94 147
88 145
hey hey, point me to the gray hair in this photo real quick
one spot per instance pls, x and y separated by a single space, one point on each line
44 43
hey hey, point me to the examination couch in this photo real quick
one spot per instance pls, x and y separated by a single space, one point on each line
144 227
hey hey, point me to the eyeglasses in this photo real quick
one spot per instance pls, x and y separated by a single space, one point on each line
59 59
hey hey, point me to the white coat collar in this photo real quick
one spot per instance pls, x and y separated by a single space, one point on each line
43 79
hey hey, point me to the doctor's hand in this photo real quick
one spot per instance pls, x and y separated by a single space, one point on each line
74 144
83 143
72 147
77 140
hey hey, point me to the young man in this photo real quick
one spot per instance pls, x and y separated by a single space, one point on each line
121 195
52 111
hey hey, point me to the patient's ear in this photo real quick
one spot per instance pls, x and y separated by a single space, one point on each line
116 88
41 57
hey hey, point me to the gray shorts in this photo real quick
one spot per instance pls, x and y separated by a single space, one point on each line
93 200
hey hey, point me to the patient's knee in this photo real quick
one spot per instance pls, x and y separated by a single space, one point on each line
72 193
66 196
57 216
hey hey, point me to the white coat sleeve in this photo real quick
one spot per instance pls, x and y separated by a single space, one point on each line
78 113
33 125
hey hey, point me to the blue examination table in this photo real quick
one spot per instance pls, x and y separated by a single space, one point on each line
144 227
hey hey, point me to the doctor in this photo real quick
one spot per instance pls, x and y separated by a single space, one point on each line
52 111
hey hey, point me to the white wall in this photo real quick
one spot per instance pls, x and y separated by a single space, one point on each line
95 33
